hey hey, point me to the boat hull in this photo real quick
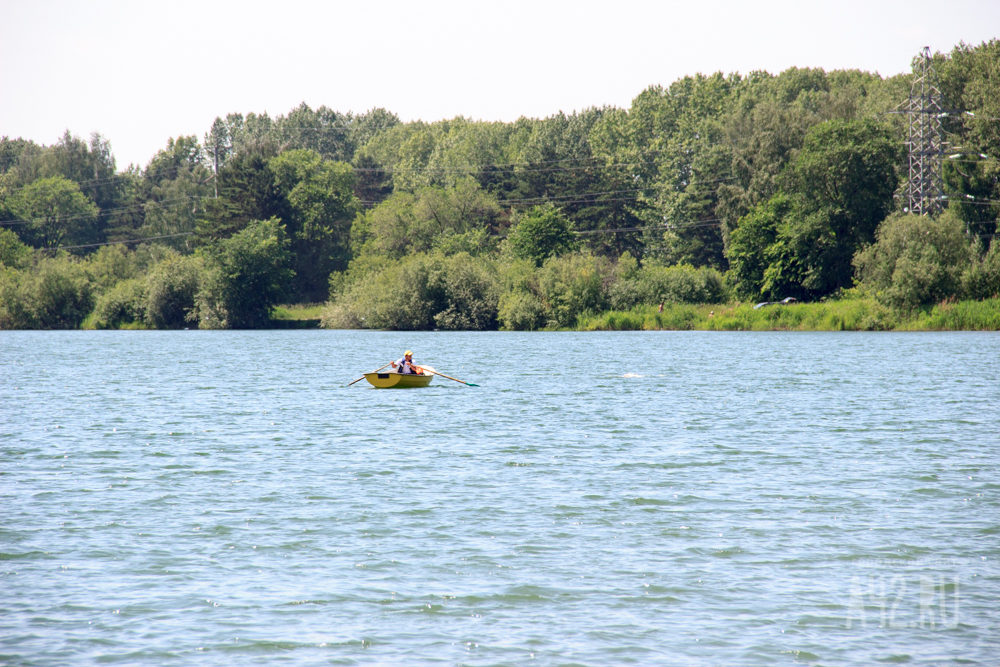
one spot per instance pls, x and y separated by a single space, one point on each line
398 380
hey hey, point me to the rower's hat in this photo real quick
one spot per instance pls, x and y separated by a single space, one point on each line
409 353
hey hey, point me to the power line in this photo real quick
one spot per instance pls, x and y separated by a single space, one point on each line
610 192
479 168
490 168
94 245
123 177
988 202
962 199
664 227
152 204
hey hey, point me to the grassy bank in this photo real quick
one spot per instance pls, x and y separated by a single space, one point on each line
846 315
299 316
306 311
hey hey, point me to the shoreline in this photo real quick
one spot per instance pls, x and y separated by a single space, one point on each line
843 315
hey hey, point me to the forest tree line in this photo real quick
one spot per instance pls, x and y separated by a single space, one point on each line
715 188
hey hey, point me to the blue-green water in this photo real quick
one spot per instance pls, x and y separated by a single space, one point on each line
206 498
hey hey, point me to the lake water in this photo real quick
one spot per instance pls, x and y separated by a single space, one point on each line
648 498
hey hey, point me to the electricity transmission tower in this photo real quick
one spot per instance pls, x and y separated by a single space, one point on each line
925 139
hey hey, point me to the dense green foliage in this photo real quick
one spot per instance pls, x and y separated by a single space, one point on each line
51 293
246 275
832 197
916 261
424 291
540 233
716 187
421 292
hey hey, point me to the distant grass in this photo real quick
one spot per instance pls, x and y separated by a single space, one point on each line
959 316
843 315
304 311
90 323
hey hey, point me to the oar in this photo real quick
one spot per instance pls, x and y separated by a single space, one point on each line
363 377
469 384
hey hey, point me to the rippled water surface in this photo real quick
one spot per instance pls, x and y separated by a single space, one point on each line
206 498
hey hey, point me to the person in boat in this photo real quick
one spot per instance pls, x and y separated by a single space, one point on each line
406 365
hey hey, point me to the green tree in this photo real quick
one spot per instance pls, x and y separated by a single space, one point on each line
248 191
91 165
432 216
112 264
55 213
850 168
541 233
835 192
324 131
247 275
372 183
167 198
843 179
321 196
969 76
763 252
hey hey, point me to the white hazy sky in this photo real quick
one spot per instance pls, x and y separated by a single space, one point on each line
140 72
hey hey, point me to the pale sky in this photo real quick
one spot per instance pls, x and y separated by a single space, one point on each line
141 72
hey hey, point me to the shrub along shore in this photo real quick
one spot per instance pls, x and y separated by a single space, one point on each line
850 314
858 314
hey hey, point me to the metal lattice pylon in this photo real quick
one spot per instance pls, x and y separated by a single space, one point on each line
925 188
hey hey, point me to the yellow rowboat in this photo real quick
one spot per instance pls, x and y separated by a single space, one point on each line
398 380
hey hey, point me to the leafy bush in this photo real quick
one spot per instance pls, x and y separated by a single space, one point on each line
15 306
982 279
554 295
125 303
521 311
13 253
471 292
520 307
113 264
916 260
55 293
246 275
420 292
673 284
476 242
171 287
571 285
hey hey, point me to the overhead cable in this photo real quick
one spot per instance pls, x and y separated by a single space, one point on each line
152 204
94 245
